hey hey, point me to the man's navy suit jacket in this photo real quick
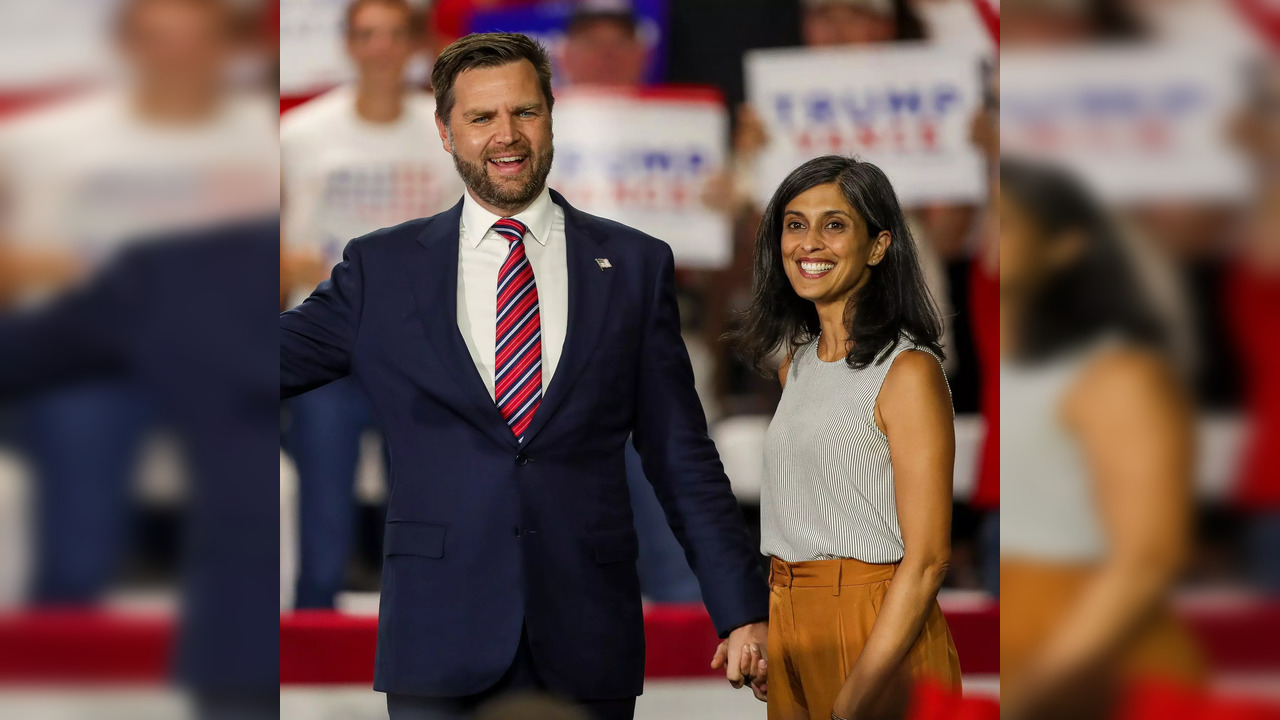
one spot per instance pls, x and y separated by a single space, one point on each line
485 535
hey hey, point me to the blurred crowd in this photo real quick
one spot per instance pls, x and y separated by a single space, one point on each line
155 124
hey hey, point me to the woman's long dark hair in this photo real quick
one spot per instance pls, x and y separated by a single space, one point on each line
1098 293
894 299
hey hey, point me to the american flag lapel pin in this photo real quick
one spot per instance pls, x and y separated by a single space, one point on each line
603 263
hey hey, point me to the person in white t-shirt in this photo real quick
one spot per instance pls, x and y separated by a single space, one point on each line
358 158
170 149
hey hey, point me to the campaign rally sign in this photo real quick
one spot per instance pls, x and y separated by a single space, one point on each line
1135 123
547 21
907 108
644 160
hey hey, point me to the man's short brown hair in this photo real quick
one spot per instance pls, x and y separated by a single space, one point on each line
486 50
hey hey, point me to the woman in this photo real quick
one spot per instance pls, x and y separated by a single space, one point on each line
1095 460
856 506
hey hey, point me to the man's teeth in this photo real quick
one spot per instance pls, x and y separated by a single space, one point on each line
516 158
817 267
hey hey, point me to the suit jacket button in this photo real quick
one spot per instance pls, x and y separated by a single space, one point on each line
517 530
522 459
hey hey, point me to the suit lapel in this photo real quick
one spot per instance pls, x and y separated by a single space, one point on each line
589 292
434 274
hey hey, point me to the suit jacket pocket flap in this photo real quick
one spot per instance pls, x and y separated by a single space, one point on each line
414 538
615 545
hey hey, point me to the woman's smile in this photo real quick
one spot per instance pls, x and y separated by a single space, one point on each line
814 268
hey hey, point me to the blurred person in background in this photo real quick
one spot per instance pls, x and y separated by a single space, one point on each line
171 148
602 47
831 23
603 50
353 160
510 545
1043 24
856 505
1096 457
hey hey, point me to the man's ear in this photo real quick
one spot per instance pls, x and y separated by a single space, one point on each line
880 247
444 135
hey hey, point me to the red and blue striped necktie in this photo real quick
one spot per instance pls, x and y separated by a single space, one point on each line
518 374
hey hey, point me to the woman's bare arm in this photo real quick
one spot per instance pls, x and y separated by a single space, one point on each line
914 411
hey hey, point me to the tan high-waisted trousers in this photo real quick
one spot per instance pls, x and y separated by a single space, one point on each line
820 614
1035 598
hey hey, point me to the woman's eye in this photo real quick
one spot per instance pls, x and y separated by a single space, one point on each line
793 225
835 225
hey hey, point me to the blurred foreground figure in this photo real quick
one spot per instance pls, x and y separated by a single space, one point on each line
161 316
1096 456
172 148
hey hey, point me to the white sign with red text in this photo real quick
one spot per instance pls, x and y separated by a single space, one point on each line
1136 124
906 108
645 160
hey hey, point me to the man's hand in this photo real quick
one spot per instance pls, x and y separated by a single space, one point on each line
744 658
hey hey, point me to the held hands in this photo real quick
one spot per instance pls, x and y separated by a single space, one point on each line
744 658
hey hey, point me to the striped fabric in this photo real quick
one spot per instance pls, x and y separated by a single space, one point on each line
518 378
828 490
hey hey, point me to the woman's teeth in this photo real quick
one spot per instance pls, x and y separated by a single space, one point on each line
815 268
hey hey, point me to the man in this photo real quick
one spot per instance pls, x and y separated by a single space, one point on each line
509 346
355 159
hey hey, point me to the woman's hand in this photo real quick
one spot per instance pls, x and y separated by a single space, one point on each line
845 706
888 700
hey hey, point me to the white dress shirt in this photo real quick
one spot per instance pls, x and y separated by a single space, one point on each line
480 256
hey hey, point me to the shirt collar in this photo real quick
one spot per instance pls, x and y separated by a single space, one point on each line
537 217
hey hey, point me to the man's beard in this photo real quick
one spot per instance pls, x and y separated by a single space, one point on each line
476 177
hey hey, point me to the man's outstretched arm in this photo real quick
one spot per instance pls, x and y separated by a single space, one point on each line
318 336
682 463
